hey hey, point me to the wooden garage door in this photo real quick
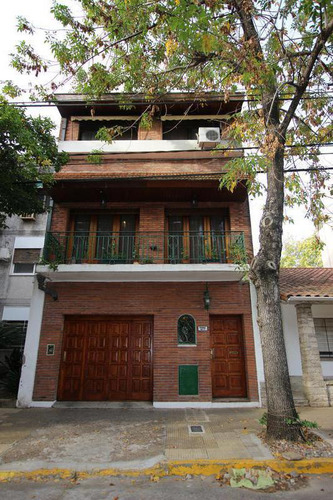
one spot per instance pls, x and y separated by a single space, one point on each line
228 364
106 359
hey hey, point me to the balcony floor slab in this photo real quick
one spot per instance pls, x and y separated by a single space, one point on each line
141 272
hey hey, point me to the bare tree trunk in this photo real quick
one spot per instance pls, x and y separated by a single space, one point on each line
264 273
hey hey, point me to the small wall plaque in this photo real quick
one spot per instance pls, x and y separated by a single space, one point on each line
50 348
202 328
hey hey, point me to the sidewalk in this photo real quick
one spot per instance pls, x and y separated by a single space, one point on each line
140 440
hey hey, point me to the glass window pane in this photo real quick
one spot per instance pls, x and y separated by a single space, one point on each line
218 247
24 268
217 223
324 333
81 237
186 330
175 239
82 223
127 238
104 243
197 239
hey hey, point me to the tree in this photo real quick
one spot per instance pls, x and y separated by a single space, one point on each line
28 156
277 51
302 253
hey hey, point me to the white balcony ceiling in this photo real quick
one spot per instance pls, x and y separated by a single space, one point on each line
130 146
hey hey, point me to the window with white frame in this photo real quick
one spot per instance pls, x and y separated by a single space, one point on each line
324 333
25 259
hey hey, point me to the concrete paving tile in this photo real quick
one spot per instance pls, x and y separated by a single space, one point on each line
219 453
193 416
254 445
225 436
210 443
4 447
10 436
182 454
231 445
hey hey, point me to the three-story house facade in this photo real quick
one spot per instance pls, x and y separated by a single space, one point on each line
140 296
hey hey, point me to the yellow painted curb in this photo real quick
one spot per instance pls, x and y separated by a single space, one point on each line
178 468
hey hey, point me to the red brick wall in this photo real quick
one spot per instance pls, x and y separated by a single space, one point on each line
155 133
165 302
152 218
240 221
60 218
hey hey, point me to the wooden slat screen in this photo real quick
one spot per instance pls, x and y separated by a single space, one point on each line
26 255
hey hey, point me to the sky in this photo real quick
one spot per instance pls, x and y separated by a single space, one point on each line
38 13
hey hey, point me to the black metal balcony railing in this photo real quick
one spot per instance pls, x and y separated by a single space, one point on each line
144 248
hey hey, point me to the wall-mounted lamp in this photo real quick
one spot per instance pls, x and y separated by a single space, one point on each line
103 200
195 201
206 298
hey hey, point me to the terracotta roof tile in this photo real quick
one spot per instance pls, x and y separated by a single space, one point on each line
131 175
306 282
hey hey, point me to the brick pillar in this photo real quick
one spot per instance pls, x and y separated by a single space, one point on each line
151 228
313 382
155 133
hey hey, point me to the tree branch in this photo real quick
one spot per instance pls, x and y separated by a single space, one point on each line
305 77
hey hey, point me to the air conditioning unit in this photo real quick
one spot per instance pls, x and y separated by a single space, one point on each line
28 217
209 137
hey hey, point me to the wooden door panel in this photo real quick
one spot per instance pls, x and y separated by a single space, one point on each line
228 363
106 359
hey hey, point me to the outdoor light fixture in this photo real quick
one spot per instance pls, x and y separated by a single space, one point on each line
195 201
103 200
206 298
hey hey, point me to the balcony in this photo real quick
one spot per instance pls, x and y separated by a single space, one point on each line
154 256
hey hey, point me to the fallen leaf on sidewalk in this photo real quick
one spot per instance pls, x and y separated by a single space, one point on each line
154 479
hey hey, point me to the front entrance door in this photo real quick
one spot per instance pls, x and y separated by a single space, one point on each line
106 359
228 365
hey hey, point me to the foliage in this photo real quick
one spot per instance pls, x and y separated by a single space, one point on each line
28 157
307 424
302 253
12 366
10 335
267 47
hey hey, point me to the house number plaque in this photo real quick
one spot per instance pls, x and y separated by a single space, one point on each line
50 348
202 328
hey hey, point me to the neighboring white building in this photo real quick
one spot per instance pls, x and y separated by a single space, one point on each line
307 310
21 243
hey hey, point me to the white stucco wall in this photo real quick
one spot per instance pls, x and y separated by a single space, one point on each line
24 398
291 338
20 287
16 290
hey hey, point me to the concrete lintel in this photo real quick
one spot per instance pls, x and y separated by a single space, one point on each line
141 273
41 404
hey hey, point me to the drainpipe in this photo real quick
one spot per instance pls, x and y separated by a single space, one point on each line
49 215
